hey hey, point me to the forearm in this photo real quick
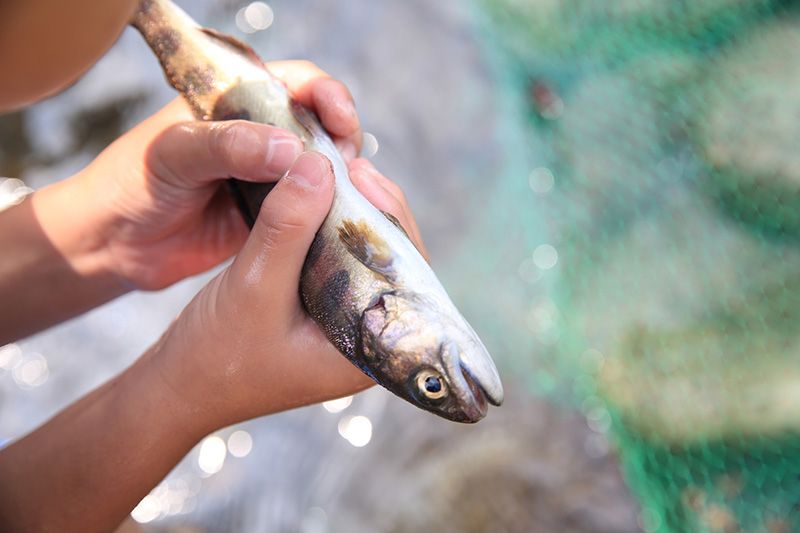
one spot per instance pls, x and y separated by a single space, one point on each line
112 446
51 261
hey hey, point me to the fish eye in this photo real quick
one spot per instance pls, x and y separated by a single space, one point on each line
431 384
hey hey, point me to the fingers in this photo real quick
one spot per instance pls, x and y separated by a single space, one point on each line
193 154
272 258
334 105
330 98
386 196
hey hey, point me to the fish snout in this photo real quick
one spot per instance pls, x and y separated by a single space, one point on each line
475 385
479 369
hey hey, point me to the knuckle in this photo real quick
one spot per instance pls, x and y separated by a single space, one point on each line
232 144
222 137
337 86
312 68
161 157
305 64
226 136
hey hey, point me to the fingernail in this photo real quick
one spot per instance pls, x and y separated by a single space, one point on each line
310 169
282 150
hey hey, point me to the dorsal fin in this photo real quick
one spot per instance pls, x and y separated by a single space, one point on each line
235 43
366 246
393 220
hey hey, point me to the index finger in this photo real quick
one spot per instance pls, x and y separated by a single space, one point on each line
329 98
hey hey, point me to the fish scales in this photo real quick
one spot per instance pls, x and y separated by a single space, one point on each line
364 282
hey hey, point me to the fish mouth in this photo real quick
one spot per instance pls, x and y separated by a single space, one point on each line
475 388
477 406
479 391
481 375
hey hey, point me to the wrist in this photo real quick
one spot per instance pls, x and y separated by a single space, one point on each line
70 216
171 403
52 252
198 402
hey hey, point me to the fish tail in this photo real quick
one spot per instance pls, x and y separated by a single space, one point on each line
192 57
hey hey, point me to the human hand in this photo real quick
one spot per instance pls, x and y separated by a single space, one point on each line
158 200
245 347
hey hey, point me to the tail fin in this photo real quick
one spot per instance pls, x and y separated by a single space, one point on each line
201 64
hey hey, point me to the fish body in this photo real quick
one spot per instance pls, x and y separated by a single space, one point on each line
364 282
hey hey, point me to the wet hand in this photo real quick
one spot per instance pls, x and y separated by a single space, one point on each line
159 201
245 347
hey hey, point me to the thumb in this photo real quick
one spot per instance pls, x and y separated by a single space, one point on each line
272 258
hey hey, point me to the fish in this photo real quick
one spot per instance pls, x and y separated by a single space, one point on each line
364 282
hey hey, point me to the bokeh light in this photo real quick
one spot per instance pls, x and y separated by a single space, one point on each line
528 271
338 405
545 256
10 354
211 457
12 192
240 443
369 146
148 510
314 521
170 497
541 180
31 371
256 16
543 321
357 430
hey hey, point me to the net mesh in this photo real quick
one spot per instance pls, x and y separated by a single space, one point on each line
650 236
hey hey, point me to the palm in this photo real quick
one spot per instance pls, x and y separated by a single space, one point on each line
179 235
169 213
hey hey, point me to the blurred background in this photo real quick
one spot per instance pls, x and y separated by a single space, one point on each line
610 192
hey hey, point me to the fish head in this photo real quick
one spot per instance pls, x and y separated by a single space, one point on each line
429 356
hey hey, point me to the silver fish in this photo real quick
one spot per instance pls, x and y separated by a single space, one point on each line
364 282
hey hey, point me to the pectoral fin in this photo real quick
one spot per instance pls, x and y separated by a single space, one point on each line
368 247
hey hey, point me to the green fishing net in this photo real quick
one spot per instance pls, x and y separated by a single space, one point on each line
647 238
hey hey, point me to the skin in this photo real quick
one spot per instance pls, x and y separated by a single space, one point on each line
147 213
66 36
